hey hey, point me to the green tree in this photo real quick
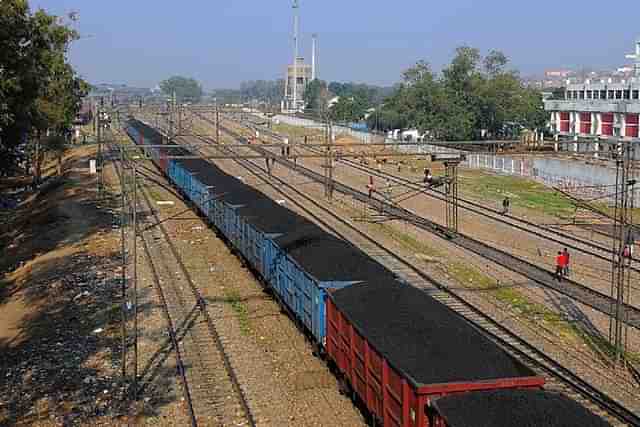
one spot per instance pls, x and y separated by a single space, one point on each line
264 91
348 109
39 91
470 95
316 96
186 89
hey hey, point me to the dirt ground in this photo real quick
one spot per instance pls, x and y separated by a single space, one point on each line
59 347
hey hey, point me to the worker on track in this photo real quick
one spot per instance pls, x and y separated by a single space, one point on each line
559 266
567 257
428 177
506 205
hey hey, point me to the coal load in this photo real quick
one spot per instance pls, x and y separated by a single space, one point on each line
328 258
514 408
422 338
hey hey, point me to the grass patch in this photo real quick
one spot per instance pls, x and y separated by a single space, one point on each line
296 131
154 194
523 192
239 306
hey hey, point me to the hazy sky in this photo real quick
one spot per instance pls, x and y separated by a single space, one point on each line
223 42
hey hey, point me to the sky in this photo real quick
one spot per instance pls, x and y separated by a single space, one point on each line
224 42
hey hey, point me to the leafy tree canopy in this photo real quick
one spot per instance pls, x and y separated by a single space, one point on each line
471 94
186 89
39 90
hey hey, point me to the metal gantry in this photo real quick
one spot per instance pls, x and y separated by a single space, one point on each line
622 250
451 191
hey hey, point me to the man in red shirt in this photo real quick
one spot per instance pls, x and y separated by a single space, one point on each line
559 266
565 254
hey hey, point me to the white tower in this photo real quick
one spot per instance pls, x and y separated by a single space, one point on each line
636 56
313 57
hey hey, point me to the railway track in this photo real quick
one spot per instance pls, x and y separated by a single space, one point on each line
549 233
581 293
211 388
585 246
558 377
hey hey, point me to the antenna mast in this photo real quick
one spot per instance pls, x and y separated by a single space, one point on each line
296 6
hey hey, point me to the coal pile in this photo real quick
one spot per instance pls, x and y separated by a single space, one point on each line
421 337
328 258
514 408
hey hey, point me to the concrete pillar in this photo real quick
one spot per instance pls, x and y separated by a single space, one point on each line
596 149
555 145
598 124
623 124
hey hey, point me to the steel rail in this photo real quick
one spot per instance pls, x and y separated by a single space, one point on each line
590 297
472 204
165 309
528 351
202 306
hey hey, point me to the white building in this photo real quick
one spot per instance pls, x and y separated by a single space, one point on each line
600 109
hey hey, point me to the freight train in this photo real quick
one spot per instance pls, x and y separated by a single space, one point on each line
400 354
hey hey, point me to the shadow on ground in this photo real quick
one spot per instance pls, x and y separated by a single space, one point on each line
60 307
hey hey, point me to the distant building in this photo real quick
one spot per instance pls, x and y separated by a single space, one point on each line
557 74
302 76
606 108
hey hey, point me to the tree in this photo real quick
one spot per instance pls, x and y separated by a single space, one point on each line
40 92
263 91
185 89
348 109
463 100
316 96
495 62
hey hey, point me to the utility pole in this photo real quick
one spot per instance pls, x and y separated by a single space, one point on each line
217 123
99 140
123 277
328 160
135 281
622 249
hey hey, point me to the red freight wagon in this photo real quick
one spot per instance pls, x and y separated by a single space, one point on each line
607 124
398 349
632 125
564 122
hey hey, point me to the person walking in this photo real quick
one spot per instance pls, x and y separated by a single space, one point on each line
428 178
506 204
566 259
559 266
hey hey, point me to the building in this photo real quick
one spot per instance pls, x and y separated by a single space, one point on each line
599 109
303 75
298 73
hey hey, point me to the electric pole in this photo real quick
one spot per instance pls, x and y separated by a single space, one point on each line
622 249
